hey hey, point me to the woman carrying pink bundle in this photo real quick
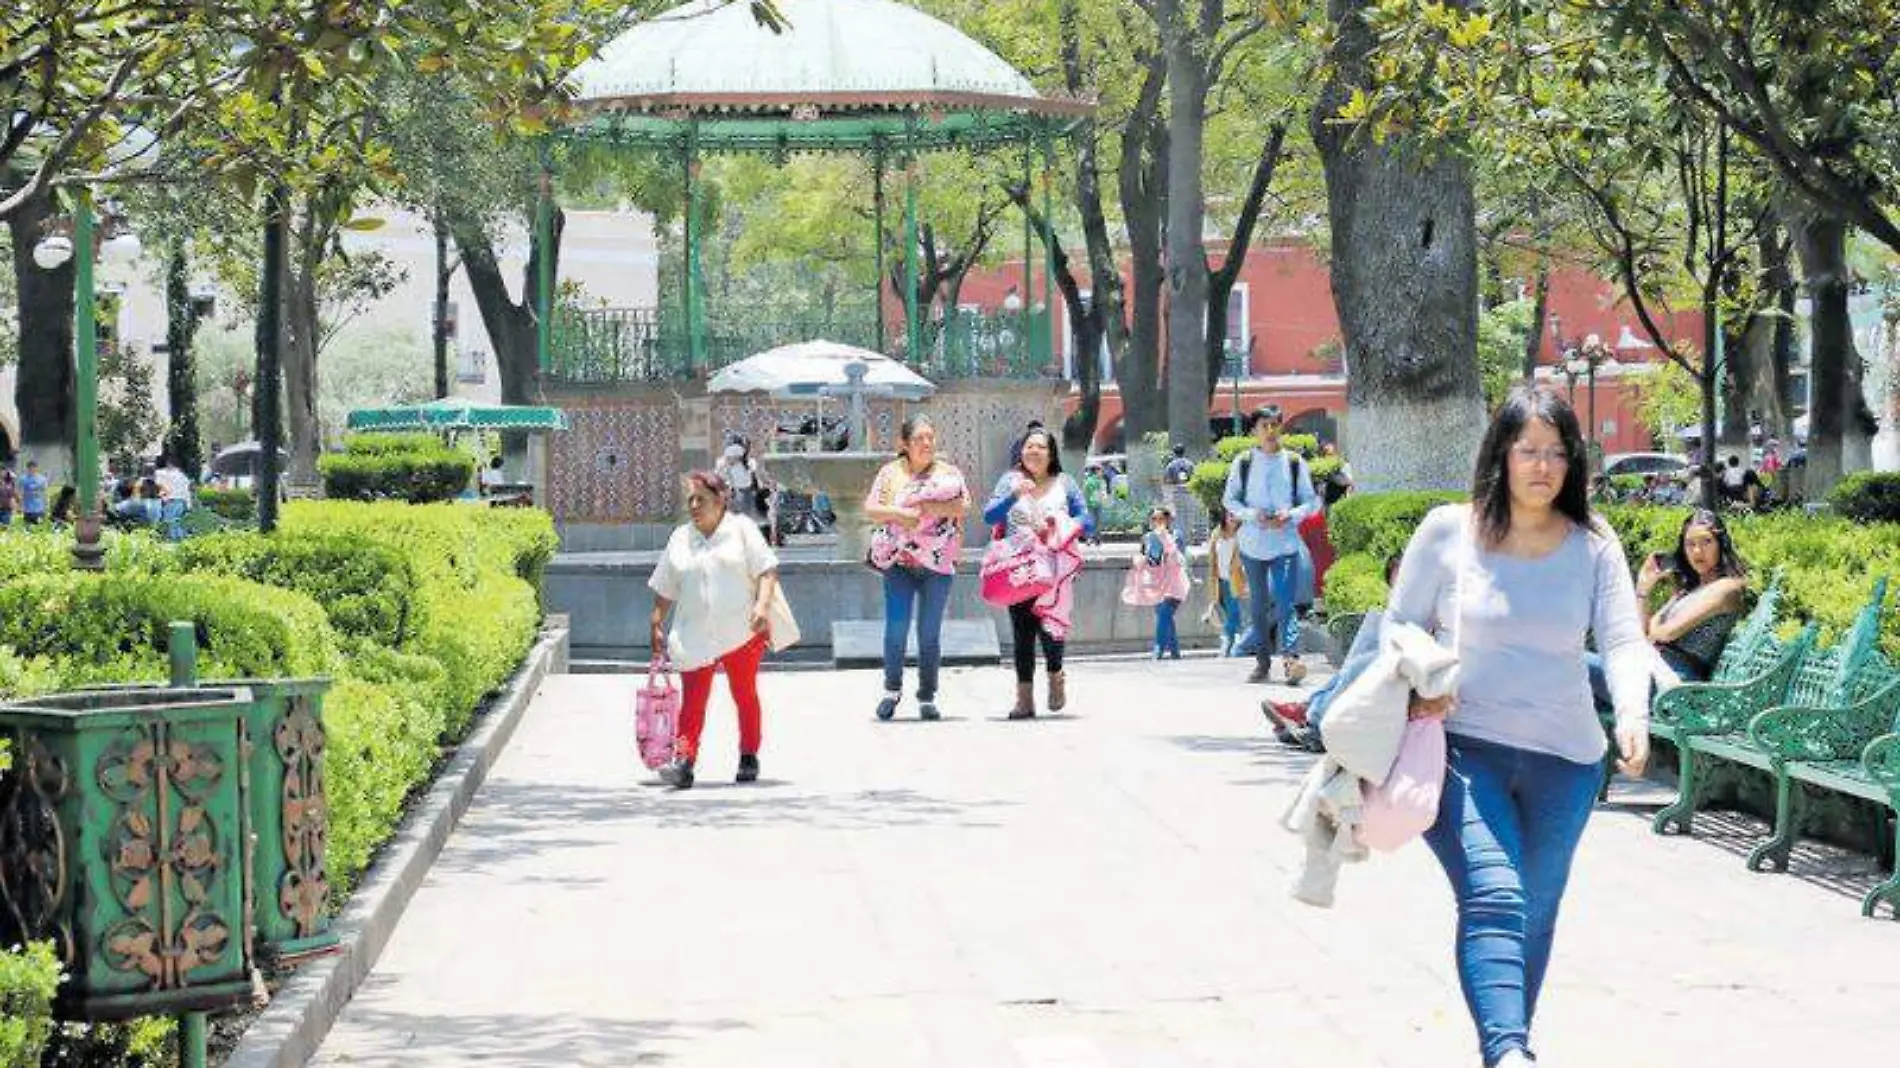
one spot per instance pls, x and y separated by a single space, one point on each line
919 502
1159 580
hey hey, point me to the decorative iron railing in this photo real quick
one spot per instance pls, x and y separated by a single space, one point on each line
605 346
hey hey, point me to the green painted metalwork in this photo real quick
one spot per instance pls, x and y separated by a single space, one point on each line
877 222
950 131
85 357
695 279
121 841
288 808
457 413
913 325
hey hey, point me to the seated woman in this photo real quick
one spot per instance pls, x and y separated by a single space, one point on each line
1691 627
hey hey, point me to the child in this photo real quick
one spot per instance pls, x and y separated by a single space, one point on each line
1159 579
1227 588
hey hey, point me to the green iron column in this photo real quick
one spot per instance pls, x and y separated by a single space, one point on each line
913 325
88 554
1029 255
695 309
1049 250
877 217
544 273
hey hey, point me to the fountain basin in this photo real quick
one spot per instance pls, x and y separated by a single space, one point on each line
844 477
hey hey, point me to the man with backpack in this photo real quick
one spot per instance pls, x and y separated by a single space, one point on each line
1271 491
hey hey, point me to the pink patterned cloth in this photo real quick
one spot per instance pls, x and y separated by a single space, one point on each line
935 543
1149 584
1062 537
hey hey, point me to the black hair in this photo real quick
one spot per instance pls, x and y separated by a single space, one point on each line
1392 567
1728 563
909 427
1180 450
1055 454
1266 411
1491 477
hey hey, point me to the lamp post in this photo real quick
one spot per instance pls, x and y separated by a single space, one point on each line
1584 361
88 241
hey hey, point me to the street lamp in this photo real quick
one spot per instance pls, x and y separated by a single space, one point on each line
1581 361
90 239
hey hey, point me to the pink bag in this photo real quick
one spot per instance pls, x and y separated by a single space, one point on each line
1016 569
1405 805
656 716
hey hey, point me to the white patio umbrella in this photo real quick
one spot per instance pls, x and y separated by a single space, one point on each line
803 371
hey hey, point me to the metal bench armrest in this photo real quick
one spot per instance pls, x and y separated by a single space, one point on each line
1882 761
1821 734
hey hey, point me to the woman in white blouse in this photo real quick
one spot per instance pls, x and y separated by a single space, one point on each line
717 578
1517 580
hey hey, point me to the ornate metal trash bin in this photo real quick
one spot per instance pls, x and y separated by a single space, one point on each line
122 833
289 814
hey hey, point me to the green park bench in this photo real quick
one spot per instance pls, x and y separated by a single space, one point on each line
1753 674
1830 684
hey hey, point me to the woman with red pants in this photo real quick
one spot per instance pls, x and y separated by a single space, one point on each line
717 578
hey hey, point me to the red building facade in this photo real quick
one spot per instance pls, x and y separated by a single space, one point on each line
1283 325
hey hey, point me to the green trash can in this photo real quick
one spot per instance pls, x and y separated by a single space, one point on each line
122 839
289 815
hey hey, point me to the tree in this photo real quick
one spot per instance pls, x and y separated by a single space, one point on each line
1405 278
182 441
44 388
128 416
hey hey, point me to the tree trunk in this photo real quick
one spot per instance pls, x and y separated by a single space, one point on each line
1143 180
301 313
1777 378
1840 427
443 273
1104 318
43 390
1186 44
182 441
1221 281
1540 312
1405 279
510 323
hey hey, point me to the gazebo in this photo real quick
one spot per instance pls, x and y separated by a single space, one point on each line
872 77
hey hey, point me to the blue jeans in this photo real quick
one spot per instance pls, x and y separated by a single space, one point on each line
1230 621
1508 826
1271 583
1167 636
928 592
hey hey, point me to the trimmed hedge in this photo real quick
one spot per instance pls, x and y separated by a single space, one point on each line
1829 563
368 589
235 504
1868 497
416 468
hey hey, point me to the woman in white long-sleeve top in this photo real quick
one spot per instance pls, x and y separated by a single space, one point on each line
1522 576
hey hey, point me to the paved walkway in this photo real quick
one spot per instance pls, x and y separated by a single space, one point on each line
1100 891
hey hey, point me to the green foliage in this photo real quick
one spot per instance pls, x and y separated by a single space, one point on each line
367 589
1868 497
1380 523
1668 398
418 469
235 504
129 421
29 977
1356 583
1503 332
381 744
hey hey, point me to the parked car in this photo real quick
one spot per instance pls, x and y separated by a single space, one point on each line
1644 463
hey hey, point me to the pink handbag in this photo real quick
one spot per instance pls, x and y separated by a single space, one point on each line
1016 569
656 714
1405 805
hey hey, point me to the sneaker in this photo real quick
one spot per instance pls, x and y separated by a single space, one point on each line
927 710
888 707
1259 673
748 768
1284 715
1295 671
678 775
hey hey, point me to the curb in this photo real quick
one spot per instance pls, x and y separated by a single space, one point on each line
288 1033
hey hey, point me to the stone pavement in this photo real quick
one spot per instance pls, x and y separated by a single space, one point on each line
1102 890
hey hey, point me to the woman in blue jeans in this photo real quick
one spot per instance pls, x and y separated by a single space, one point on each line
1516 580
919 502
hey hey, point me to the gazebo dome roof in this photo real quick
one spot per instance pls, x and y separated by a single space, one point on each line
836 57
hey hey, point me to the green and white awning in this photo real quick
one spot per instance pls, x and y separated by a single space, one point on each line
452 413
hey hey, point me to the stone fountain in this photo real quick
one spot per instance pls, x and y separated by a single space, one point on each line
844 477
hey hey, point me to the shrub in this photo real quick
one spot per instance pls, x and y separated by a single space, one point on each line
366 588
235 504
381 742
413 468
1868 497
1381 523
29 976
1356 583
113 628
